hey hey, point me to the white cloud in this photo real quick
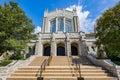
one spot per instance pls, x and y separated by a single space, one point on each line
86 24
37 29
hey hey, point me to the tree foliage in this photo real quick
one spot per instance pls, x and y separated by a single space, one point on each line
108 31
15 27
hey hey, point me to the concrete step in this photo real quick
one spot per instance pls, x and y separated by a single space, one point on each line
37 61
21 78
83 71
26 71
99 78
29 69
58 74
59 71
59 61
74 69
75 78
60 68
61 78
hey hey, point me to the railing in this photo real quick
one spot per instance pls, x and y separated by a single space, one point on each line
75 70
42 67
49 60
71 65
78 69
117 70
45 63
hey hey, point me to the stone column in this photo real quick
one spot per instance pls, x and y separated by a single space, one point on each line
76 23
64 24
68 48
43 25
53 45
84 50
53 48
68 45
39 46
56 24
80 48
36 48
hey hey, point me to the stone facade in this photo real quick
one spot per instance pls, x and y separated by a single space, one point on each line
61 35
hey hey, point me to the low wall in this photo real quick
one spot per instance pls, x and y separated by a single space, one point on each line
10 68
107 64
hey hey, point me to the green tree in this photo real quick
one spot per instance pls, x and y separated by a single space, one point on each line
108 32
15 28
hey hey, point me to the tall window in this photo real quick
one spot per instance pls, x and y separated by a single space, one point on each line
60 24
53 25
68 26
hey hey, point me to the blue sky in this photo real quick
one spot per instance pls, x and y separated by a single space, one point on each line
88 10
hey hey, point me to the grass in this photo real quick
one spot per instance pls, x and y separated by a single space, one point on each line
5 62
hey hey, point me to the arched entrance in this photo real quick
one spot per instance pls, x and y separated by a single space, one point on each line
46 50
60 49
74 49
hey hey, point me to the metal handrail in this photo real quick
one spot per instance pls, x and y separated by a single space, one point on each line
71 65
45 63
42 67
78 68
49 60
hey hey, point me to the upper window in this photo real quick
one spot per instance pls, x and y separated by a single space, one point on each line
60 24
68 26
53 25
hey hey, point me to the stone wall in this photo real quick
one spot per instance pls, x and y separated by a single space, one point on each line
10 68
107 64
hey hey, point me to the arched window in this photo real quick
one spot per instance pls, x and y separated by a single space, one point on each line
68 25
53 25
60 24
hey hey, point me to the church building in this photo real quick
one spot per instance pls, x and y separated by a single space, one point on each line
61 35
61 52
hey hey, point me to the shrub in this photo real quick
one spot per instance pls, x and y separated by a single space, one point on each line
5 62
17 57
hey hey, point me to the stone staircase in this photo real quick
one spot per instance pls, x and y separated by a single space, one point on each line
37 61
61 68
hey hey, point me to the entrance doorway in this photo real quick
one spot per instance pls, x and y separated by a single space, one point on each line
74 49
60 49
47 50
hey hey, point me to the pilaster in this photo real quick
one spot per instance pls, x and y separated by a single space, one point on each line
64 23
80 45
53 46
36 48
83 50
56 24
39 47
68 45
80 48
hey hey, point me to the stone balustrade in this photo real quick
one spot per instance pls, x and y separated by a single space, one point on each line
107 64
